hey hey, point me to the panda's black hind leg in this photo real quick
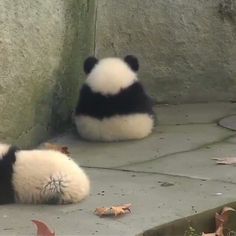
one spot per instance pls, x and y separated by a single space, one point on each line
7 194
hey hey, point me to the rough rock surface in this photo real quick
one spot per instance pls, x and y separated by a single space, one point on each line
42 44
187 48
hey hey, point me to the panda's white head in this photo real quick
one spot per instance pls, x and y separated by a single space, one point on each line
3 149
110 75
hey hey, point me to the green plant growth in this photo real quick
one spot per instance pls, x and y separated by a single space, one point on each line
191 232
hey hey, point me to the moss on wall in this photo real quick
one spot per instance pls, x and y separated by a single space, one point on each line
42 45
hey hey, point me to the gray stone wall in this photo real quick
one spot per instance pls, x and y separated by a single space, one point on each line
187 52
187 48
42 46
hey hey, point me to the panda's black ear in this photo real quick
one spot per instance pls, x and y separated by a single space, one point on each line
132 61
89 63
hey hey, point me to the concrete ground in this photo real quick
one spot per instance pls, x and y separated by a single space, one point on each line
166 176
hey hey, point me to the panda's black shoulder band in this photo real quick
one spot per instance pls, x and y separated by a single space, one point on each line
10 156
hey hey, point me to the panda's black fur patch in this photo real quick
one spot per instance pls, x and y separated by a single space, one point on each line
89 64
131 100
6 171
132 61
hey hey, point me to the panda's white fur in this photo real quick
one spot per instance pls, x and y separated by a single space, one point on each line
110 75
47 176
119 127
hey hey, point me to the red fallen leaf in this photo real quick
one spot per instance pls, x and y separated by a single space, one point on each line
42 229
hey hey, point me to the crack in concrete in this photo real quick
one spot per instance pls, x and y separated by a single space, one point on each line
180 152
158 173
215 121
142 172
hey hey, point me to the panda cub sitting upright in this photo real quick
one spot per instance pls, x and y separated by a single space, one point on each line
113 105
40 177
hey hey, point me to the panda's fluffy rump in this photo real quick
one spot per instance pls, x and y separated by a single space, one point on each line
44 176
119 127
123 116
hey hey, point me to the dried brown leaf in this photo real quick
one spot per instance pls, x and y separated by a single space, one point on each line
225 214
56 147
113 211
42 229
218 220
221 220
220 230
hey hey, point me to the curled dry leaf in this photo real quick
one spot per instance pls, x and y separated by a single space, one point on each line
225 160
221 220
220 230
113 211
51 146
42 229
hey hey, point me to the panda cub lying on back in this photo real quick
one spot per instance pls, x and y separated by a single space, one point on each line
40 176
113 105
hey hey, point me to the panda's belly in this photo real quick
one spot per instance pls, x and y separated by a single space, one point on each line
115 128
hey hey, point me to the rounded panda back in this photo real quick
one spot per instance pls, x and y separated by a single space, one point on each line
42 175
